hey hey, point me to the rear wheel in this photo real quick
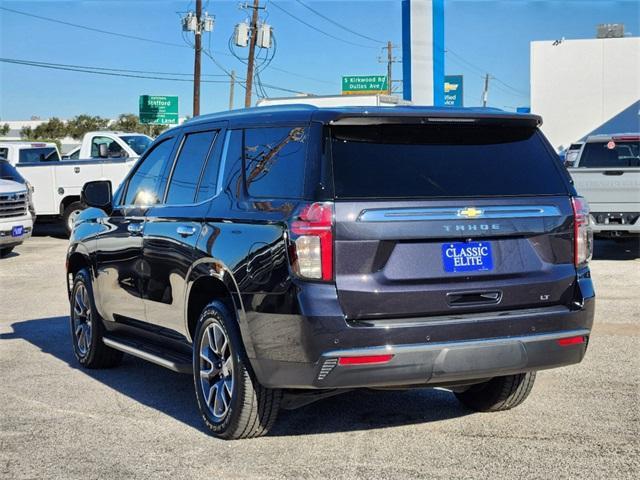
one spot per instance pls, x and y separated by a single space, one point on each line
499 393
87 329
70 214
232 403
5 251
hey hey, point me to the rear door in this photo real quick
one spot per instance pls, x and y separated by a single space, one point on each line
172 227
449 219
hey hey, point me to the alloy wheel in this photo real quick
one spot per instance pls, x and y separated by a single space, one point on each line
216 370
82 323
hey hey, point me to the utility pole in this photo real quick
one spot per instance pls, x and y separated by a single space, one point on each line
231 88
389 63
390 60
198 24
485 93
252 50
196 62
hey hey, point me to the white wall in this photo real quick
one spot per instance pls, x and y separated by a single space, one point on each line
579 84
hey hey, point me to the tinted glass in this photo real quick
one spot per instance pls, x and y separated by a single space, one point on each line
147 184
274 160
4 152
611 154
232 176
186 173
407 161
8 172
37 155
138 143
209 182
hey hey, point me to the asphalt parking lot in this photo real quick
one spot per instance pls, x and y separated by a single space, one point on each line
139 420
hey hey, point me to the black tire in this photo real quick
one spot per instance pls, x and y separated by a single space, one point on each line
499 393
5 251
93 354
251 409
67 214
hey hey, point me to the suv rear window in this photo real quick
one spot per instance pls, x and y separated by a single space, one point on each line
423 161
37 155
611 154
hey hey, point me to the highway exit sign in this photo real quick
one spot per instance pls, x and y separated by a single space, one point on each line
159 109
364 84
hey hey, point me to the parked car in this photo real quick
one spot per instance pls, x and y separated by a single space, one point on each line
607 173
56 184
16 223
285 254
118 145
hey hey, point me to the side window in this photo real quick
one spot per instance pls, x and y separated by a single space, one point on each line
195 150
114 150
274 161
147 184
75 155
4 153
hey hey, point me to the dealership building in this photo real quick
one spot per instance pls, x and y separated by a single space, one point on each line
584 87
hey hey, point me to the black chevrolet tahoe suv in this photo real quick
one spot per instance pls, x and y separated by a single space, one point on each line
285 254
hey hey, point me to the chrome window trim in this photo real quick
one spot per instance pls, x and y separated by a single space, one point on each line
455 213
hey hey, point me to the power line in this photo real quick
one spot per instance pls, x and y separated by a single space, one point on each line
338 24
318 29
95 71
98 30
143 39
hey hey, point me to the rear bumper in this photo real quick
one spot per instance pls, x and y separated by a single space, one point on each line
425 351
606 222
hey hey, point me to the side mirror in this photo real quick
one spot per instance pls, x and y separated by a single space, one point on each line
103 150
97 194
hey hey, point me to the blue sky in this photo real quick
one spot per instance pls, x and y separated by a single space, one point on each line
480 35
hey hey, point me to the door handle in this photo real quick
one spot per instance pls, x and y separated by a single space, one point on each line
613 172
135 228
184 231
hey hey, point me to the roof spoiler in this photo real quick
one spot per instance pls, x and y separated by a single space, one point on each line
439 118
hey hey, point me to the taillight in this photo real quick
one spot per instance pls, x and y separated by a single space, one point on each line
582 232
312 235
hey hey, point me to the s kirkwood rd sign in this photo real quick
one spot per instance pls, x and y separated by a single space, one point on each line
364 84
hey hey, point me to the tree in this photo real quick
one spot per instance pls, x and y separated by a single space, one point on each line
26 132
81 124
128 122
4 129
53 128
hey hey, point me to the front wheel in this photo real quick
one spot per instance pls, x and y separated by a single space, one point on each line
499 393
87 329
232 403
5 251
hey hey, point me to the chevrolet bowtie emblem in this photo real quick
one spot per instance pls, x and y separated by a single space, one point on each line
470 212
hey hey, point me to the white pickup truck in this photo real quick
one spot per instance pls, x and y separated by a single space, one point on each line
16 222
118 145
607 173
56 184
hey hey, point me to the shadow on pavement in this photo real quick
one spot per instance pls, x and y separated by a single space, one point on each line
623 249
172 393
49 229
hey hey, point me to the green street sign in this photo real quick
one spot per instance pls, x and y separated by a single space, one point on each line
158 110
364 84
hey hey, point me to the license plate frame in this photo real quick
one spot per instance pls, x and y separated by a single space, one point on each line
460 257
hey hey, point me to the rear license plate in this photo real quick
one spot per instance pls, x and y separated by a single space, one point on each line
467 257
17 231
